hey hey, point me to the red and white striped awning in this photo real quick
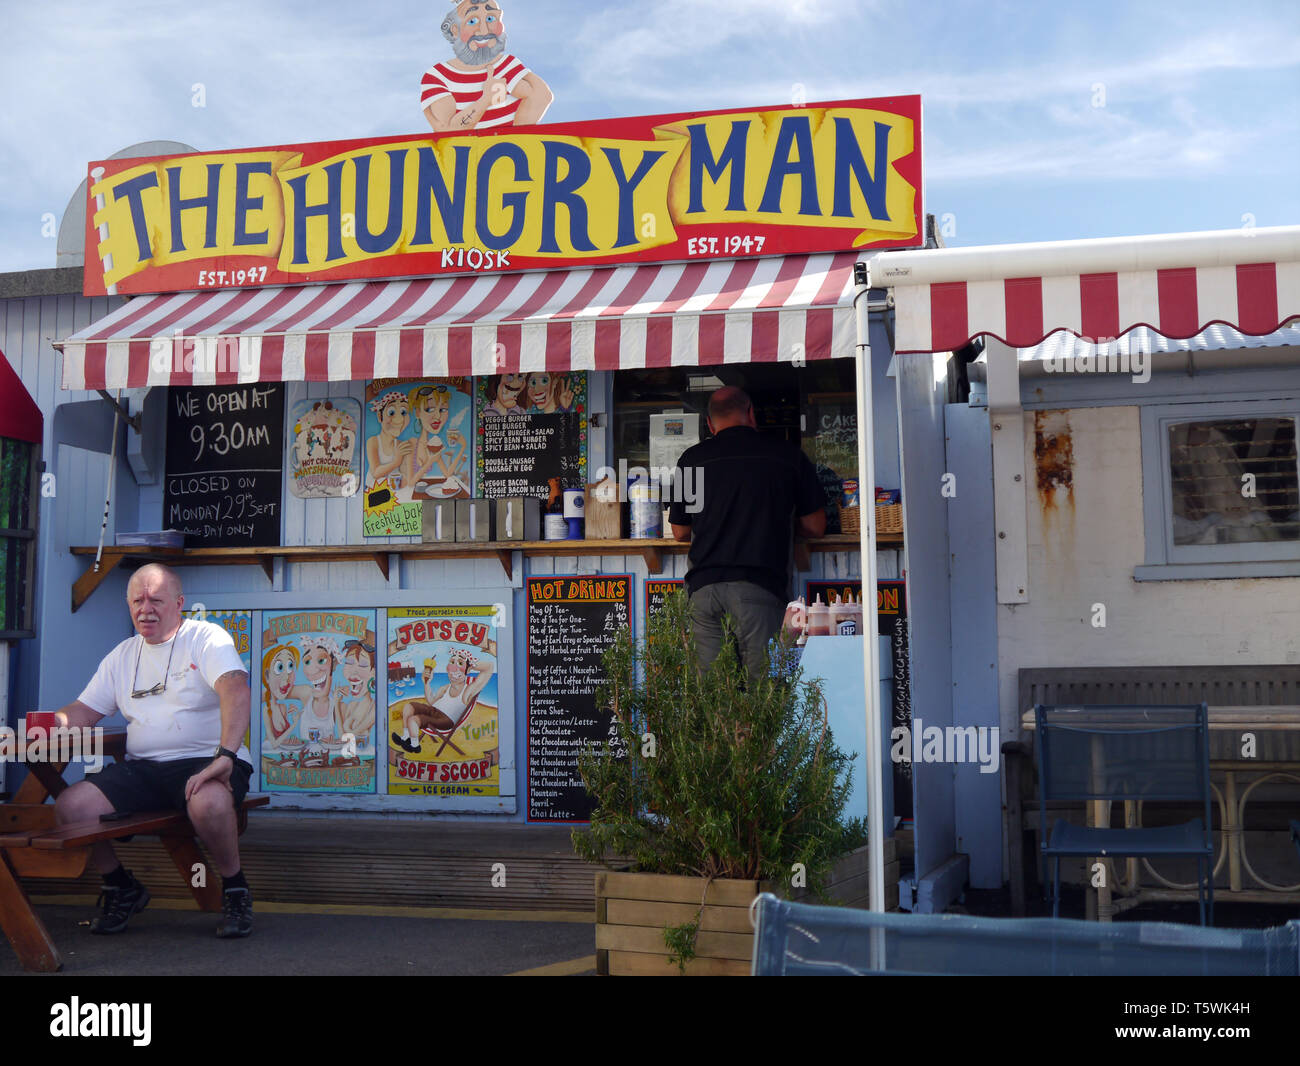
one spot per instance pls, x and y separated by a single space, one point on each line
1177 284
611 318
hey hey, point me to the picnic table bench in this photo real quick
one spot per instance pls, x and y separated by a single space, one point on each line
33 846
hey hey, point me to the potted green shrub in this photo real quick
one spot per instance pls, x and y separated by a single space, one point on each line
712 788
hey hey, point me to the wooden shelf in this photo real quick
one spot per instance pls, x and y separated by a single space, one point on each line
652 551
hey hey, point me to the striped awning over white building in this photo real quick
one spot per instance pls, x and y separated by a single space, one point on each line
612 318
1177 284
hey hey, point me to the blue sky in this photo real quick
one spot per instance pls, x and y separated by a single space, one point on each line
1042 121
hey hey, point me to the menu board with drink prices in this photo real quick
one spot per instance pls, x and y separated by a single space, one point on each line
571 621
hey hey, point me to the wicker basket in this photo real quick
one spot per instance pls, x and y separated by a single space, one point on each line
889 518
850 520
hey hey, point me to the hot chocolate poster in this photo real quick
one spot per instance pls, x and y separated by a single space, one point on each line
324 450
442 724
418 447
318 701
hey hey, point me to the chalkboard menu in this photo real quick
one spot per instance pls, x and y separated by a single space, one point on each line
830 436
571 621
656 591
891 622
531 428
225 454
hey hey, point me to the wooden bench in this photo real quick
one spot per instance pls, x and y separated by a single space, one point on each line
33 846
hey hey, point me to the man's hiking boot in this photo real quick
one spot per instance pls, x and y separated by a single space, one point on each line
117 905
236 913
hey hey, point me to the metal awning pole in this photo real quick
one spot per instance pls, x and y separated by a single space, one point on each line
112 474
871 651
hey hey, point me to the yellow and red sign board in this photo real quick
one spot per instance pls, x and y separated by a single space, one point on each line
713 185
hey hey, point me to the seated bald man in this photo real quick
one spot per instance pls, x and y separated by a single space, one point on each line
754 492
184 692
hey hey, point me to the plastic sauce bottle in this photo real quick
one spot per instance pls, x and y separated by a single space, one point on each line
842 624
819 620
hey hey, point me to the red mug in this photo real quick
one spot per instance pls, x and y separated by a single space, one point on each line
41 722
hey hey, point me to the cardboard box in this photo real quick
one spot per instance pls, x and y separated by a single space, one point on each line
473 521
604 519
518 518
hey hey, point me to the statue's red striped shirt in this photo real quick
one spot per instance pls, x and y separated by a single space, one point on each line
466 86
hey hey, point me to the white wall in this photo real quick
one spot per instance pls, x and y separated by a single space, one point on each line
1083 545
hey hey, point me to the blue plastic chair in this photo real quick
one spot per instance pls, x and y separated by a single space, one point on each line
1139 753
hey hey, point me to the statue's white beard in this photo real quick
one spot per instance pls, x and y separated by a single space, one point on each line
478 56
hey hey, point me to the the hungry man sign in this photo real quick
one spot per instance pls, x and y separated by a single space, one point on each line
712 185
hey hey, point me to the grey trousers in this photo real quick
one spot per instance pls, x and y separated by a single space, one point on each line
756 615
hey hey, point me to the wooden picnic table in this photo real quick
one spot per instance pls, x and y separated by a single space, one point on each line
33 846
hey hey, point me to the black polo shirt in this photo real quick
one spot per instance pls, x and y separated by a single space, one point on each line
749 489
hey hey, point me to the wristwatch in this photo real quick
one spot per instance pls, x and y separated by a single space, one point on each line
227 752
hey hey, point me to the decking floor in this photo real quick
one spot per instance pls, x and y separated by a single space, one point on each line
381 862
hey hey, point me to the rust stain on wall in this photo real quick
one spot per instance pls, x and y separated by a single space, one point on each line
1053 458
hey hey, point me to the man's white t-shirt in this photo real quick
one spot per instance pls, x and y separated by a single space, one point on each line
184 720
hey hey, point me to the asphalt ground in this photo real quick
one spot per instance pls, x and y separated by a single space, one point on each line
170 938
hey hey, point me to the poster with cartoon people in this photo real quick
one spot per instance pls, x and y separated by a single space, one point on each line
418 447
442 724
531 428
318 701
324 449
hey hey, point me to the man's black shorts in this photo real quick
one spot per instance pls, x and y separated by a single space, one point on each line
146 785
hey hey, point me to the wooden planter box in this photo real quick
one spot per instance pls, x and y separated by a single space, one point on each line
633 909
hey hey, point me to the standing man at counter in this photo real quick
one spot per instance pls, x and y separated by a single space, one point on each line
752 492
184 692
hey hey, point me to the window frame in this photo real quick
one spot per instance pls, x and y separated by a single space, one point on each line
1280 557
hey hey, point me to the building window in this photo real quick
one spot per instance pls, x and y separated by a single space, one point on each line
1234 481
19 478
1221 484
813 406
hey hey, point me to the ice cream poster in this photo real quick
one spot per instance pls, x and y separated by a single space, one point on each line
318 701
443 705
418 447
324 448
